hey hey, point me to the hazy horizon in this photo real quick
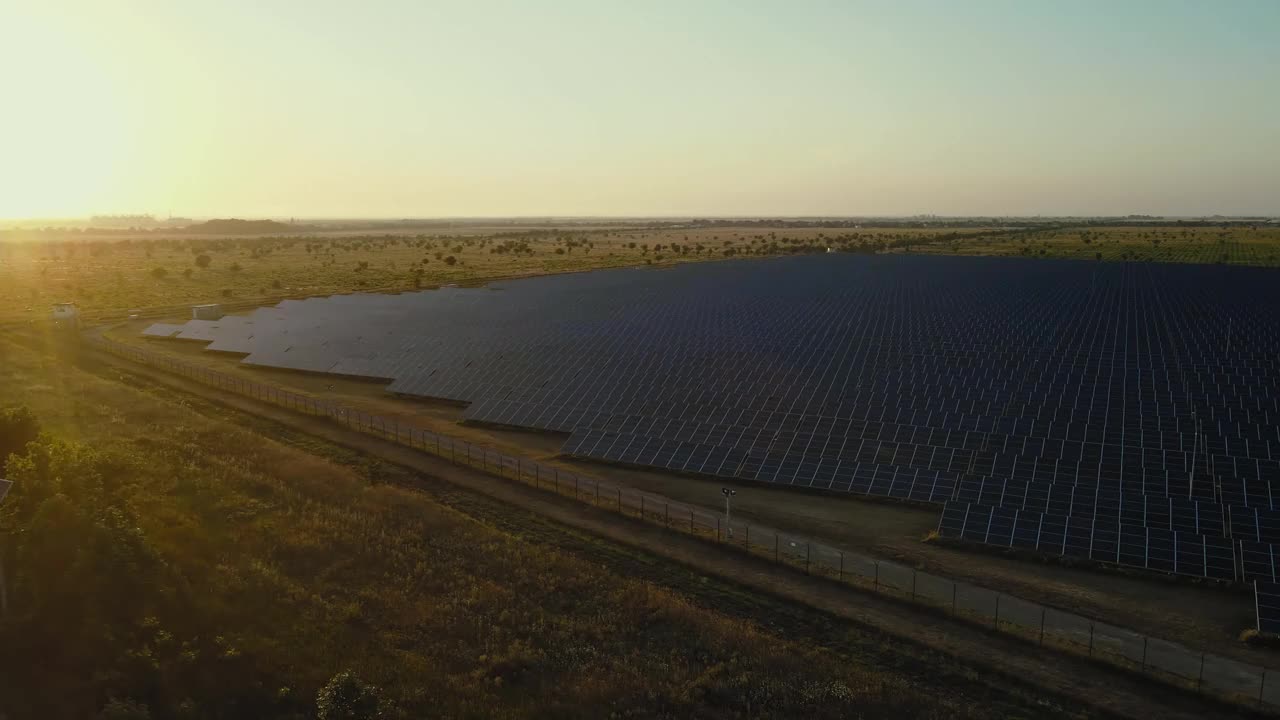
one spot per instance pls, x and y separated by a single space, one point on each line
601 110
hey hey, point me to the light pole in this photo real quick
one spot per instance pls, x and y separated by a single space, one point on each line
728 494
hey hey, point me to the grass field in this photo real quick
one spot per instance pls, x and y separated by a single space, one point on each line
168 555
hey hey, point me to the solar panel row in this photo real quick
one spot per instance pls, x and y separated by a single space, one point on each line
1094 537
1267 600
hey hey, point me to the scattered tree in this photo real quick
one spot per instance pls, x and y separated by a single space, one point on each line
347 697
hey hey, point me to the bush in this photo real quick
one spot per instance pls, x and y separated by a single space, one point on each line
451 260
202 261
159 273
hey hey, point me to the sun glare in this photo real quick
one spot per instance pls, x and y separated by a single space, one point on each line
68 138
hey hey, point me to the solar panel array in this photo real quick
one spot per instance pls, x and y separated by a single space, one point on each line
1121 412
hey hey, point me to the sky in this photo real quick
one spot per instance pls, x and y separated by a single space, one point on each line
418 108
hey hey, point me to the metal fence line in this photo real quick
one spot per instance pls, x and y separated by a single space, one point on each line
1162 660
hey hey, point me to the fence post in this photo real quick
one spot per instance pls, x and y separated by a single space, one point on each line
1262 686
1200 680
806 557
954 592
1090 639
575 487
619 499
996 626
642 507
1144 653
717 528
1043 611
913 590
775 547
877 585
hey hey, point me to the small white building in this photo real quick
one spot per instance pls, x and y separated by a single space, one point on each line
212 311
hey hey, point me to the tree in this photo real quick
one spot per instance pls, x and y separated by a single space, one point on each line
347 697
202 261
18 426
451 260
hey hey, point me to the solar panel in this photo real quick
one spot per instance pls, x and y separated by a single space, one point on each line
1267 603
162 330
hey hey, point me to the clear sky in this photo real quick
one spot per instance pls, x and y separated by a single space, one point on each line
706 107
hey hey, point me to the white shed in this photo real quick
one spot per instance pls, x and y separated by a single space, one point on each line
66 314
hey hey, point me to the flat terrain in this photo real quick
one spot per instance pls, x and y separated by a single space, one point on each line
114 275
110 275
179 555
1201 616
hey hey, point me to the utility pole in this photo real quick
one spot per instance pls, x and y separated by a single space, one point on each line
728 494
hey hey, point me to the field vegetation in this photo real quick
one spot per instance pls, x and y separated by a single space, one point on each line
164 560
1233 244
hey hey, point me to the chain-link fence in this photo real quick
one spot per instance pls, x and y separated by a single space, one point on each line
1162 660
